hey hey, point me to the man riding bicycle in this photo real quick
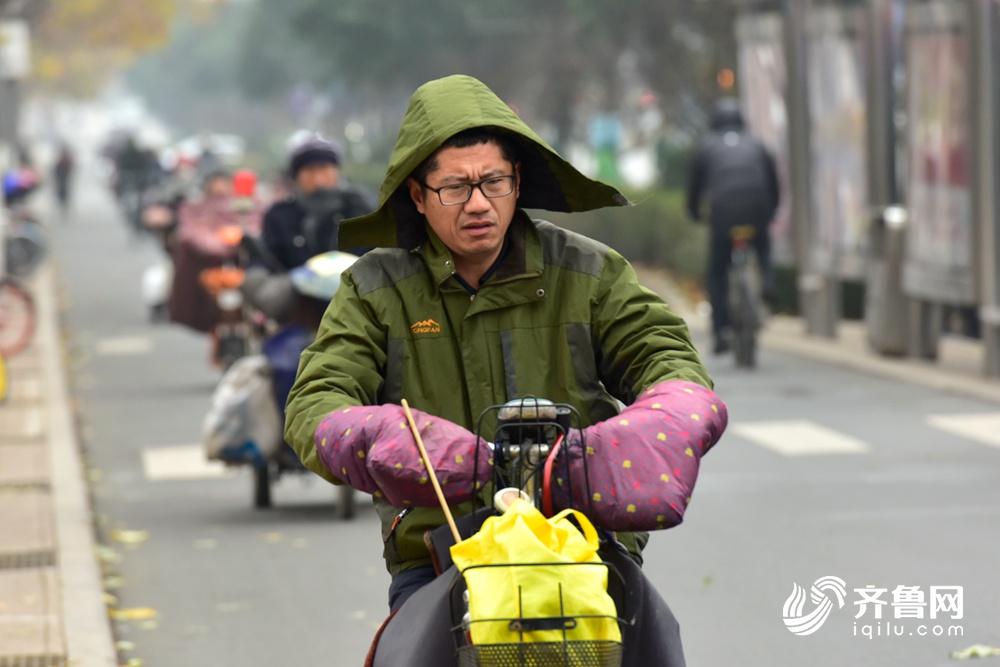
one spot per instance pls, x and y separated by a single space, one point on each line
467 302
736 174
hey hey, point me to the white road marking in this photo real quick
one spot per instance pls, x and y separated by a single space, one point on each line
180 462
124 346
984 428
799 438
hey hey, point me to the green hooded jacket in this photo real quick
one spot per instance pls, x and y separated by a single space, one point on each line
562 317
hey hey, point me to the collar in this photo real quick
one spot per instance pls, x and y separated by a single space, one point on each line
521 257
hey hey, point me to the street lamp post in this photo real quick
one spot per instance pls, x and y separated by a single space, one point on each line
986 74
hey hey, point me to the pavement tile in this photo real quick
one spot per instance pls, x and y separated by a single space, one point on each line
27 520
30 613
26 388
23 464
21 421
30 360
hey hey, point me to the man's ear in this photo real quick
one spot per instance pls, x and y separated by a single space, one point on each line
416 194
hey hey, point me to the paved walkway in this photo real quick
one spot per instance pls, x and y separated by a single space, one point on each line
52 610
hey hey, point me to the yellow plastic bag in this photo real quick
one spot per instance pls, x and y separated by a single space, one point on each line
523 535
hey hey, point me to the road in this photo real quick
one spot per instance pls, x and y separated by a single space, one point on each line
824 472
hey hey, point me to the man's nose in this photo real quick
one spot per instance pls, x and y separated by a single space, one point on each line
477 202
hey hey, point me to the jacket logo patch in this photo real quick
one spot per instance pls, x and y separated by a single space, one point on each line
425 327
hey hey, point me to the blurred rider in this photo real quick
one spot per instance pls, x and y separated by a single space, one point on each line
736 174
305 224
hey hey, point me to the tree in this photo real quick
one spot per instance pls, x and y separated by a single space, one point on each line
78 44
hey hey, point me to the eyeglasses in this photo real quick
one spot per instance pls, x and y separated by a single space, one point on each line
492 187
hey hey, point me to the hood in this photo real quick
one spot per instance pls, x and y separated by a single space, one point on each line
440 109
727 115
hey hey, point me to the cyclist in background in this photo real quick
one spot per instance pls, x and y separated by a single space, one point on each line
736 174
305 224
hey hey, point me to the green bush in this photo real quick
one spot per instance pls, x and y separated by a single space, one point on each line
655 231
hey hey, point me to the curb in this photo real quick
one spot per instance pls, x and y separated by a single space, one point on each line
86 627
786 334
914 371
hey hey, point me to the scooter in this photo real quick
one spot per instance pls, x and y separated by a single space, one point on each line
310 288
232 333
432 627
160 220
25 242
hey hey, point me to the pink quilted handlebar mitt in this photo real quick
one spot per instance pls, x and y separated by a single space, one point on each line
643 464
372 449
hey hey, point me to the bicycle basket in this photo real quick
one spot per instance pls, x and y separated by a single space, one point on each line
542 654
555 636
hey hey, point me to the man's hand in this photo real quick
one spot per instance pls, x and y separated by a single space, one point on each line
372 449
642 465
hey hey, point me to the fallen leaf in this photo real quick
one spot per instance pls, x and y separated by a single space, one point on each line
976 651
108 555
110 600
149 625
272 538
133 614
113 582
130 537
124 645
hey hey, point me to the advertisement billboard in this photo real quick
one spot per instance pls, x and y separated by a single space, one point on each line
940 261
838 140
762 80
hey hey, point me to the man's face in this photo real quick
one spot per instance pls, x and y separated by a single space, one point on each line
475 230
219 186
317 176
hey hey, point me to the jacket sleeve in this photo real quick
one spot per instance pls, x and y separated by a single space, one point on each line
342 367
696 184
639 341
773 182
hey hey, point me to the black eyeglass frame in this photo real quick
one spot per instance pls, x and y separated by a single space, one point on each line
473 185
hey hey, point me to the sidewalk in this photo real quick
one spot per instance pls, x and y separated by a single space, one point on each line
958 368
52 611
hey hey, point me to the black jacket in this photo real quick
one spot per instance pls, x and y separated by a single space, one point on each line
737 175
298 228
